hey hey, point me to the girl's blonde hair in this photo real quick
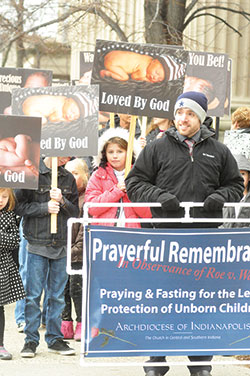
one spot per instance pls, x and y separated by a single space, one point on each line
81 167
11 201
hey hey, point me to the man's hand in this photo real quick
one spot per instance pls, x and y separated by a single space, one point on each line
169 202
56 194
53 207
214 202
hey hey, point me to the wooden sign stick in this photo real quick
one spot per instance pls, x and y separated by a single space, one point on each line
112 120
130 145
54 176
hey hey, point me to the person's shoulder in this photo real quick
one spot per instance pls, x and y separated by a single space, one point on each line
99 173
151 136
167 137
9 214
218 144
155 146
207 132
244 130
208 123
67 174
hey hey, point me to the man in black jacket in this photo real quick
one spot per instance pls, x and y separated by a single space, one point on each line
186 164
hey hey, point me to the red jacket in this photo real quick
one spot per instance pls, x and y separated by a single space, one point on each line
102 187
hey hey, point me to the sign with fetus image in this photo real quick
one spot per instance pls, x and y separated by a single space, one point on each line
138 79
12 78
19 151
69 117
208 73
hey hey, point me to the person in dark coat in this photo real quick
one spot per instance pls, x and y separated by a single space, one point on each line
186 164
46 262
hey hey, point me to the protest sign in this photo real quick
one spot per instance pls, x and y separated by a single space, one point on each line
12 78
19 151
167 292
69 117
208 73
86 64
56 82
138 79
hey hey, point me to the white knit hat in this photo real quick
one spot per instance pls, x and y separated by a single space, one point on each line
111 133
195 101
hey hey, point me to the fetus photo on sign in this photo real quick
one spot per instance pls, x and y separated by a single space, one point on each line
19 151
52 108
55 104
138 79
125 65
69 117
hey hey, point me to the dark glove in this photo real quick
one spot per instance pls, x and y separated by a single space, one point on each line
214 202
169 202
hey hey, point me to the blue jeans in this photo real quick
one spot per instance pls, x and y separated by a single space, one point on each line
22 258
39 269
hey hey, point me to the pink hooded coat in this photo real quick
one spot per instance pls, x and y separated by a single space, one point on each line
102 185
102 188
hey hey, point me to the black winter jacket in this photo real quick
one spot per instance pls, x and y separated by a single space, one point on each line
165 167
33 206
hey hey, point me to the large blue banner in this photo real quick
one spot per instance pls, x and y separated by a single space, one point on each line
167 292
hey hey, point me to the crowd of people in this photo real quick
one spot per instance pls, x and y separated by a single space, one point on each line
156 175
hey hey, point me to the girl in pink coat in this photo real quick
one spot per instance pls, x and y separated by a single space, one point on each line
107 182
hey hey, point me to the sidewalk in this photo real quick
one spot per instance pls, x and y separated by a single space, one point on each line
46 363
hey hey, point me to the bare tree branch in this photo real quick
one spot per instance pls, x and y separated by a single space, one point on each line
73 10
6 54
190 7
193 15
156 14
114 25
219 18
